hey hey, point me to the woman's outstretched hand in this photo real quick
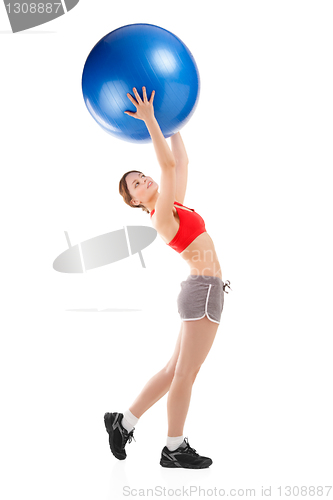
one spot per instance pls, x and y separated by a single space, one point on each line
144 108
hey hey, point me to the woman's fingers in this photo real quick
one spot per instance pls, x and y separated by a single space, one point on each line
144 109
132 99
130 113
136 93
151 100
138 98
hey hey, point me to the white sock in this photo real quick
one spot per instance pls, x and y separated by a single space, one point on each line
129 421
174 442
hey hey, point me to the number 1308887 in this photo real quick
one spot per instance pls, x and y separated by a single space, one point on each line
33 8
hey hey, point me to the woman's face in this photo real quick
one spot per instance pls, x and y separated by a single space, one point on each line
141 187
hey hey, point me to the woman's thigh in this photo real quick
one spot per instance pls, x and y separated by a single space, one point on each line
196 340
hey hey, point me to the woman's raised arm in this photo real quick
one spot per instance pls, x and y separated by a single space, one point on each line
165 157
145 112
179 152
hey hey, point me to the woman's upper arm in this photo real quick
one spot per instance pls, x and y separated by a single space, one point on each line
181 181
165 201
180 155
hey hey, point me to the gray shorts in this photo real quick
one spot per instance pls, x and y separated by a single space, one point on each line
200 296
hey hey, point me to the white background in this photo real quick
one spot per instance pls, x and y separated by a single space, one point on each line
260 149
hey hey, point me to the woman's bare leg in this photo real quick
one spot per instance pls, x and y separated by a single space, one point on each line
196 341
158 385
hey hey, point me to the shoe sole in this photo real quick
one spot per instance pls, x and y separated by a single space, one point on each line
177 465
109 430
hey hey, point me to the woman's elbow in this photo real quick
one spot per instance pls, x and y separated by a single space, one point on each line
169 163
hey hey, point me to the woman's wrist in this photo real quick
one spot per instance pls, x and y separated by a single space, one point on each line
151 121
153 126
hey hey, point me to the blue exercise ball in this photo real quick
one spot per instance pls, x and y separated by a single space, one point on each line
140 55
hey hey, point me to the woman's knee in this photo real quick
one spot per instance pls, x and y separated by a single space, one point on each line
186 372
169 370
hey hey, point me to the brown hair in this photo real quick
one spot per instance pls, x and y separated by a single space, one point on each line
124 192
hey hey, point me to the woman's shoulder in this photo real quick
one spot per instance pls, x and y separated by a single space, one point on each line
166 226
155 216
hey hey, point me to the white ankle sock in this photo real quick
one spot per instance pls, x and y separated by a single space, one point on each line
129 421
174 442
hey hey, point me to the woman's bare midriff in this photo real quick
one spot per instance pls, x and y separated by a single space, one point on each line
200 254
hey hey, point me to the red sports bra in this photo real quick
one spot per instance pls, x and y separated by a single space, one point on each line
191 225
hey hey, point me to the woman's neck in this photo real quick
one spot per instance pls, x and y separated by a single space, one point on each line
151 204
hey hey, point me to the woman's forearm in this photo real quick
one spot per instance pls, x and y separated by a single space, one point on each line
178 149
164 154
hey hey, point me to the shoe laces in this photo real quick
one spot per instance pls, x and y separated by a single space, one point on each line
188 448
129 436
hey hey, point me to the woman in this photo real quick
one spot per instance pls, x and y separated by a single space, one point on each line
200 301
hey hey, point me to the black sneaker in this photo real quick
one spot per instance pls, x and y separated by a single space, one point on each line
185 457
118 435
